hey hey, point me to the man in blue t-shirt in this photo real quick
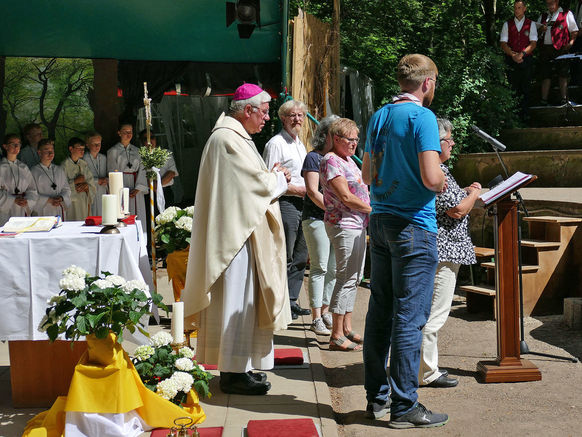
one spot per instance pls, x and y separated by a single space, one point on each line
401 165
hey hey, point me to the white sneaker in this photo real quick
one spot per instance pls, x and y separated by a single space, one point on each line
327 320
319 328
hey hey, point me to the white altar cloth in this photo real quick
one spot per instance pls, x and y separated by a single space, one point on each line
31 265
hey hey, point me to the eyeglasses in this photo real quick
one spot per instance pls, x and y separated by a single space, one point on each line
350 140
14 144
299 115
449 141
126 132
436 82
264 111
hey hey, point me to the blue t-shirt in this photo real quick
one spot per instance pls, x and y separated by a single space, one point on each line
397 133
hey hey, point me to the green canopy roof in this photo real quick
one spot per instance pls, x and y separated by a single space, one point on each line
165 30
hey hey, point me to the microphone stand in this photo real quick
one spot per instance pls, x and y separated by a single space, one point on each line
523 347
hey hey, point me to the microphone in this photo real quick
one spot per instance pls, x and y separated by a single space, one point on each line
488 138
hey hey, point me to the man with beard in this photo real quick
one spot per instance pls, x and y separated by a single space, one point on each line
401 164
287 149
236 289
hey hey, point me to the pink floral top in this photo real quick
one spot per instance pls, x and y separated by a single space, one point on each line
336 212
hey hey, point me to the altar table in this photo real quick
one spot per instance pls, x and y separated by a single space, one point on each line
31 265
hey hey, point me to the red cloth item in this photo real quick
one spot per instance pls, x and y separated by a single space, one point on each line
93 220
288 357
204 432
282 428
96 220
518 40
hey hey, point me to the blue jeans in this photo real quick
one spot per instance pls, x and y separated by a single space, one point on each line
403 260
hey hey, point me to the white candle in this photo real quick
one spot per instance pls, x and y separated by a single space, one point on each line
109 209
125 200
178 322
116 187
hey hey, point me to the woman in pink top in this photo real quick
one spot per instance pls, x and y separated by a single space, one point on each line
347 205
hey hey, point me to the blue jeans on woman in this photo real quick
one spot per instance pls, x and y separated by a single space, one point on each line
403 261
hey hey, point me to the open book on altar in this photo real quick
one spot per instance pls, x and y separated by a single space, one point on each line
507 186
31 224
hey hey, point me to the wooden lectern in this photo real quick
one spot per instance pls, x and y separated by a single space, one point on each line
508 367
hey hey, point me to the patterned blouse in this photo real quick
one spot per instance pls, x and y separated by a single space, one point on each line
454 239
336 213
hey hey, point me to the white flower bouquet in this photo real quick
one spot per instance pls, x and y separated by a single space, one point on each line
93 305
174 228
168 373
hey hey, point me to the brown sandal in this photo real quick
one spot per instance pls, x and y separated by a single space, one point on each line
335 344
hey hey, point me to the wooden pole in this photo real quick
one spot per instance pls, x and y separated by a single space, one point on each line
148 114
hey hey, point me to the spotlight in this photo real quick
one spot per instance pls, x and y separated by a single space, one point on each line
247 14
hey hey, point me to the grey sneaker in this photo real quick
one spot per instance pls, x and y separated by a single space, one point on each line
418 417
377 411
319 328
327 320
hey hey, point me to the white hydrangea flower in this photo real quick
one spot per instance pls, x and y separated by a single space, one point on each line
201 367
161 338
135 283
183 381
103 283
167 216
185 223
184 364
189 210
186 352
167 388
72 283
74 270
116 280
143 352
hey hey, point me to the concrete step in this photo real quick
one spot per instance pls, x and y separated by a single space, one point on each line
545 138
553 219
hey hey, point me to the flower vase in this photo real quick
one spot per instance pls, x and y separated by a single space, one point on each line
177 263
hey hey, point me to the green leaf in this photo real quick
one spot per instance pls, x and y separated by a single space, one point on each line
82 324
53 332
102 332
95 318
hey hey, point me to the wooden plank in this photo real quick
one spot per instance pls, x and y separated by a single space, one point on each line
524 268
552 219
485 290
40 371
484 252
540 244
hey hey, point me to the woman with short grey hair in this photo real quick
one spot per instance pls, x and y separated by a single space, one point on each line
455 248
321 255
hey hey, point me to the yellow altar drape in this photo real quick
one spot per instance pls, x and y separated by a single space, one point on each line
105 381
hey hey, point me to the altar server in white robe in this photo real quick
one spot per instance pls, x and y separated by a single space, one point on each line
17 188
124 157
80 181
236 282
54 192
97 163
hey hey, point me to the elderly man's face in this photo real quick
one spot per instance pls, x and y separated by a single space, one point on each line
552 5
293 121
258 118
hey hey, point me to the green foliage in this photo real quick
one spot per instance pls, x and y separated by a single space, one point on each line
153 157
158 363
174 228
94 305
52 92
473 89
